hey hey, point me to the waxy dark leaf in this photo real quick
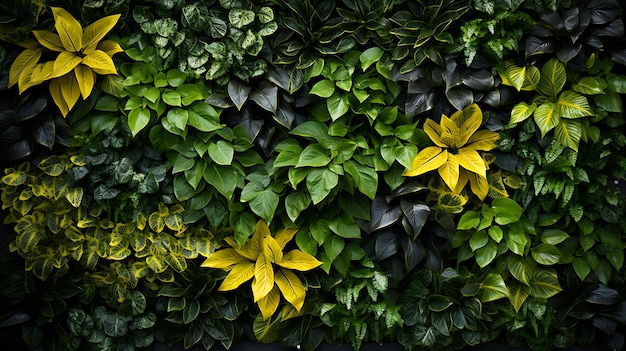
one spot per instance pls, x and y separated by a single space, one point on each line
416 215
386 245
413 252
44 134
238 93
604 295
31 107
383 215
266 96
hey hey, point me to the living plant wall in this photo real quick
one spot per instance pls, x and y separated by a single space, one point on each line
438 173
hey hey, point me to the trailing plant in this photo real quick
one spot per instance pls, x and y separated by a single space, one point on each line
214 40
195 313
498 236
364 311
455 155
441 311
82 55
262 260
125 326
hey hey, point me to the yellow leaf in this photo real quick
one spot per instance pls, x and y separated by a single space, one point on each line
156 222
433 130
269 303
64 63
272 250
240 274
224 259
449 171
471 161
472 119
110 47
463 179
482 140
86 79
252 248
96 31
49 40
263 281
479 185
298 260
291 287
69 89
284 236
427 160
42 72
100 62
23 65
70 31
450 130
518 294
74 196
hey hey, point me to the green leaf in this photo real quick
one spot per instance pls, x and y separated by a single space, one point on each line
545 284
264 204
568 133
295 203
324 88
553 77
546 254
288 156
496 233
178 117
506 211
370 56
553 236
611 102
546 117
478 240
590 86
581 267
573 105
240 18
138 119
521 268
221 152
521 112
172 98
492 288
518 293
175 77
314 155
345 226
319 182
365 178
338 105
224 179
333 247
469 220
486 254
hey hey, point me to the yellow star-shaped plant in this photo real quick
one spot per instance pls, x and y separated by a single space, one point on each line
81 55
262 260
456 153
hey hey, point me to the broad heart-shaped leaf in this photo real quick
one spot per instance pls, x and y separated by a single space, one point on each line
240 274
383 214
138 119
266 96
365 178
96 32
518 293
314 155
223 178
238 93
521 112
546 254
590 85
568 133
492 288
485 255
547 117
324 88
545 283
522 268
514 75
573 105
416 215
264 204
320 182
553 77
506 211
428 159
221 152
337 105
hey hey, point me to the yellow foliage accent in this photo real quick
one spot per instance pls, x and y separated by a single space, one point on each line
80 56
261 259
457 145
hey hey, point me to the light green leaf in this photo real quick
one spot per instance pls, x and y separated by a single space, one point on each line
521 268
521 112
319 182
221 152
573 105
568 133
492 288
546 254
545 284
223 178
265 204
324 88
506 210
138 119
485 255
314 155
370 56
338 105
590 86
345 226
553 77
365 178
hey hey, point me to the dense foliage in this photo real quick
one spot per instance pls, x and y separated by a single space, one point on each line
438 173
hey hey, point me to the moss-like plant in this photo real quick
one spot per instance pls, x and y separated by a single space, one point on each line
456 155
82 54
256 259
